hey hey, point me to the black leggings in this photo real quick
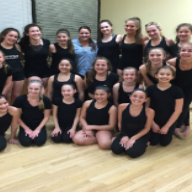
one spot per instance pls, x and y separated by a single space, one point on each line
27 141
136 150
163 140
3 143
184 117
63 137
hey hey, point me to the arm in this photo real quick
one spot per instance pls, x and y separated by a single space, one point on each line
115 94
8 85
169 42
171 62
50 88
85 83
55 120
51 49
143 72
80 87
121 108
83 113
119 39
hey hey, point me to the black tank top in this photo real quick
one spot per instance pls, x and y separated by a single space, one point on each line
57 56
111 51
132 54
5 122
12 58
174 50
123 97
162 44
183 79
96 116
132 125
153 79
57 85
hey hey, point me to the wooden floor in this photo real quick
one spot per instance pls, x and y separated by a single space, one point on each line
70 168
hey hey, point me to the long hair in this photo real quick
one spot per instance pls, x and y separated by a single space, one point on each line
41 104
6 31
156 25
178 28
92 73
24 42
69 42
6 66
91 43
138 35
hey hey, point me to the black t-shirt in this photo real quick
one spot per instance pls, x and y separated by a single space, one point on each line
111 79
163 102
66 112
31 116
3 76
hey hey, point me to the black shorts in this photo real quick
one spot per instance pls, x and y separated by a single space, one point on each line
18 76
123 65
42 74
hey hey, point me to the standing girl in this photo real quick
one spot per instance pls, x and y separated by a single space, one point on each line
167 101
64 77
157 39
183 65
108 44
155 60
100 75
5 76
85 51
98 119
132 45
66 113
62 49
8 116
184 32
123 90
12 51
134 122
36 51
35 114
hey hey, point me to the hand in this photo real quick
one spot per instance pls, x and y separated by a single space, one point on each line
130 143
29 132
155 128
124 141
35 134
14 141
55 132
164 130
89 134
71 132
87 128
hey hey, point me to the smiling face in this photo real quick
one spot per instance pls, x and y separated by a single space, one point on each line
11 37
3 105
101 95
84 34
34 89
67 91
186 52
101 66
184 33
34 33
131 27
164 75
106 28
129 75
62 38
153 31
156 56
138 97
64 66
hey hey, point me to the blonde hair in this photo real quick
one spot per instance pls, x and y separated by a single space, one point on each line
41 104
6 66
156 25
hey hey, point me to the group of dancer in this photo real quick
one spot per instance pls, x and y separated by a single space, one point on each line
92 91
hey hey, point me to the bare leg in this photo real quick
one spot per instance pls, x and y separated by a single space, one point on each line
45 81
17 89
104 139
8 94
81 138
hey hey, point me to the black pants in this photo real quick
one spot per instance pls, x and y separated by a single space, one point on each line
184 117
136 150
164 140
63 137
3 143
27 141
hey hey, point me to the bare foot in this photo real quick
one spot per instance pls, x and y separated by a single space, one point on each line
178 133
186 131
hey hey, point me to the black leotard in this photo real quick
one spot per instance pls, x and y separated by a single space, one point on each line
13 59
130 125
3 76
36 61
96 116
60 53
5 122
174 50
123 97
111 51
132 55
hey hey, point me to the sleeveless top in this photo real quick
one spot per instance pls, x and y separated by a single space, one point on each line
13 58
183 79
123 97
132 54
153 79
111 51
162 44
60 53
58 84
174 50
96 116
5 122
132 125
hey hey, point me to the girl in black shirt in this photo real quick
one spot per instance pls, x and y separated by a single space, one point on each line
8 116
66 113
35 114
12 51
36 51
167 101
98 119
62 49
123 90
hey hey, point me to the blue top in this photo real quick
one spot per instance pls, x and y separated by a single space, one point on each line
84 58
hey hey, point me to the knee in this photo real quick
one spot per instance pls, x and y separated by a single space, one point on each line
164 143
56 139
104 144
66 138
25 143
3 143
116 149
135 153
39 142
78 140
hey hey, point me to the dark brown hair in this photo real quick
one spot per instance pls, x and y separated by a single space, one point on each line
6 31
131 68
166 67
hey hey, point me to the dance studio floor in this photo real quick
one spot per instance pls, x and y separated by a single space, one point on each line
70 168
